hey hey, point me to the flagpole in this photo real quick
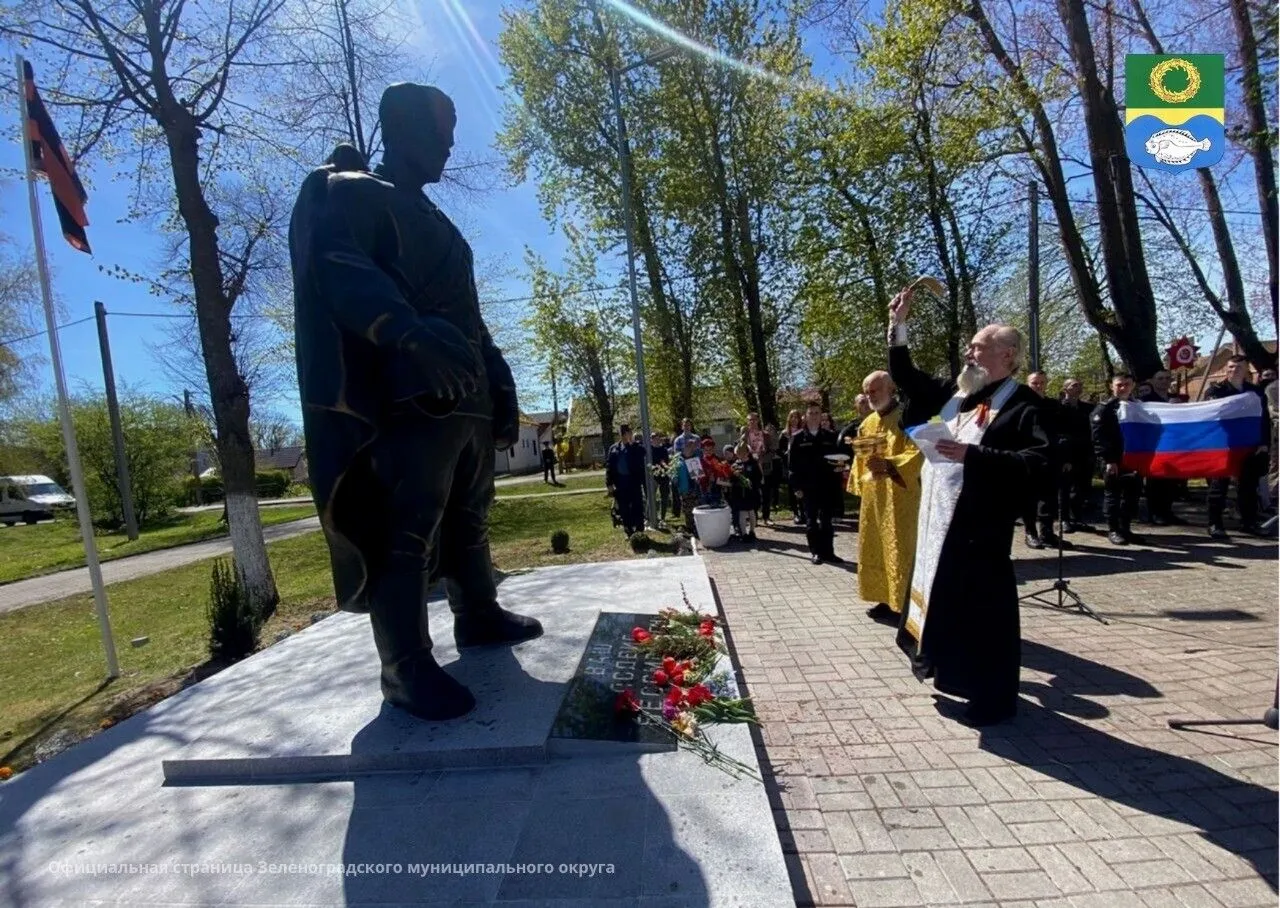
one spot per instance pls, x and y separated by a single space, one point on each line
64 410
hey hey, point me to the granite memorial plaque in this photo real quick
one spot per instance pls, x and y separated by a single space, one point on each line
612 664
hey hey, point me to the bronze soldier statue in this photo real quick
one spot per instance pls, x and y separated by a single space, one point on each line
405 398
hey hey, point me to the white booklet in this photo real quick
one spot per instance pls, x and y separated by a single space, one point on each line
927 437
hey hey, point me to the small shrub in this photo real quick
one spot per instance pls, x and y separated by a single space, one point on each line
273 483
298 490
640 542
210 491
560 542
233 625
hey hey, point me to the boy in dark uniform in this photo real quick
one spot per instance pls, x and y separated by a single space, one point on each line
624 477
548 464
811 475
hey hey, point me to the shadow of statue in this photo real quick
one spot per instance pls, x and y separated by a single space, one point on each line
584 828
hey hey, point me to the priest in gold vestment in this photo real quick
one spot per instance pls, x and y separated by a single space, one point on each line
886 476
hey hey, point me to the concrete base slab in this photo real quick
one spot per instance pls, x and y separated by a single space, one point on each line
99 824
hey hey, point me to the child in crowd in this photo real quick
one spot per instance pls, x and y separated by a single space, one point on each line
688 483
745 493
715 474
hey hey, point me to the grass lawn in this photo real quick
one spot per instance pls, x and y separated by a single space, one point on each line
29 551
567 484
51 660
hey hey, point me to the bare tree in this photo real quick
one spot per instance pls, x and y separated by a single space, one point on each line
175 81
18 302
1261 143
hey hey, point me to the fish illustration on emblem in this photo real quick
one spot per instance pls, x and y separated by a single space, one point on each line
1175 110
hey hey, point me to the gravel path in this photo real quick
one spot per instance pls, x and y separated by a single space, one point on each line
22 593
18 595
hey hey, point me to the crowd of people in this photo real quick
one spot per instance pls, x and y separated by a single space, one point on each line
807 466
938 504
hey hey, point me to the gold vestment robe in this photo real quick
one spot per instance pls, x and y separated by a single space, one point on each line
890 506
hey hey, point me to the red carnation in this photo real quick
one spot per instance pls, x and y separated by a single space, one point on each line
660 678
707 629
675 696
640 635
626 704
669 665
699 694
678 679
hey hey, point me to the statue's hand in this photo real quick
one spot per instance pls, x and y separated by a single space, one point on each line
506 418
444 364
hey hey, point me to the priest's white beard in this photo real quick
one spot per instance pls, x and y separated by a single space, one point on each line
972 379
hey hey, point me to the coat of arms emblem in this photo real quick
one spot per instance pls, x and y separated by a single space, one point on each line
1175 110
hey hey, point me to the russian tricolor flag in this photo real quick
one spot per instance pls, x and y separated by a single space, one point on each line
1203 440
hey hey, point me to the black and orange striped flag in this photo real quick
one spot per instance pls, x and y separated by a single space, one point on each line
50 158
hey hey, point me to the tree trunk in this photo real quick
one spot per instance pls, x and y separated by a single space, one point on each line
227 391
968 312
875 258
923 143
1049 163
1235 315
742 348
1129 285
604 405
767 396
1259 142
674 354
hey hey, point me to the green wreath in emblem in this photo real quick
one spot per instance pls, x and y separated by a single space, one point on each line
1161 72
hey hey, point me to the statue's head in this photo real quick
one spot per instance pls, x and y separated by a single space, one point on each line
417 127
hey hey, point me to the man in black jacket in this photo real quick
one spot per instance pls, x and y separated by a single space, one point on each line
1077 430
1254 466
1121 487
661 453
1160 492
1042 505
624 478
811 476
549 464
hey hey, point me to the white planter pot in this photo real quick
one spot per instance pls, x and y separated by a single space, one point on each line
713 525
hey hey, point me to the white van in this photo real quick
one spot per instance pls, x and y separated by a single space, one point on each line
31 498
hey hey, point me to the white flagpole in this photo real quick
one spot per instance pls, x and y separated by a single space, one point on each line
64 411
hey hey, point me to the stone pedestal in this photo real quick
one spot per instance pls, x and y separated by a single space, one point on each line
287 780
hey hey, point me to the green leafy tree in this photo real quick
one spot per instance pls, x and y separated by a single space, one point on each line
158 438
577 330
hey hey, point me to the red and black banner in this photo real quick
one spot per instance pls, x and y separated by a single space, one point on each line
50 158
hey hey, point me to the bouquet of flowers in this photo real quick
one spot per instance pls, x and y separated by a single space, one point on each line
717 471
689 645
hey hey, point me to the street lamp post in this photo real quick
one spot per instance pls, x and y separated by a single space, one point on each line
624 157
624 154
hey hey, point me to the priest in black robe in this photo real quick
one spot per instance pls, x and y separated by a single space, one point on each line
961 626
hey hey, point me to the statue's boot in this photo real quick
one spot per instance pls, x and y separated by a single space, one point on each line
478 620
411 677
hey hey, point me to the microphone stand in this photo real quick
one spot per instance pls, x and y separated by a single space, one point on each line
1067 597
1271 718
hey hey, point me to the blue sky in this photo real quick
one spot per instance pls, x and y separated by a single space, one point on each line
499 227
460 52
459 49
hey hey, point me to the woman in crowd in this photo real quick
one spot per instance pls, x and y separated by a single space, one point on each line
795 423
744 494
770 473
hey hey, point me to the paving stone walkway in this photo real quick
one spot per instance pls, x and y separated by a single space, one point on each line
1087 799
